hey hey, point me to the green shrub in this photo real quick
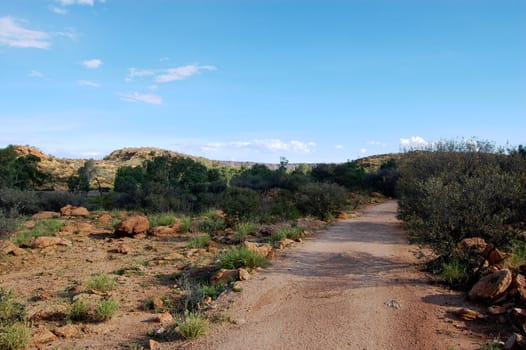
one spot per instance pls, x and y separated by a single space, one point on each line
102 283
193 326
47 227
199 241
162 219
192 296
241 257
518 257
321 199
185 224
244 203
14 337
454 272
11 311
79 311
212 223
213 290
106 309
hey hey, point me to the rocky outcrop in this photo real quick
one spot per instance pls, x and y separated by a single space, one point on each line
8 247
261 249
133 225
70 210
48 241
45 215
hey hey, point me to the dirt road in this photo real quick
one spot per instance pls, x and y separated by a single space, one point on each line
356 286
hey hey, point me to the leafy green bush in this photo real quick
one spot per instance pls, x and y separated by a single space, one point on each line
14 337
244 203
193 326
321 200
102 283
241 257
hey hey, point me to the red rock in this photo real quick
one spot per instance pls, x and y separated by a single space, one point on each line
492 286
225 276
474 246
263 249
48 241
105 218
8 247
133 225
243 275
519 283
160 231
468 314
70 210
496 257
165 318
67 331
45 215
43 337
285 243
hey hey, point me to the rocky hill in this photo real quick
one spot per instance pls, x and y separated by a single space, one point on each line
106 169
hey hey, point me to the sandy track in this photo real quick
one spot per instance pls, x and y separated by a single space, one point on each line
356 286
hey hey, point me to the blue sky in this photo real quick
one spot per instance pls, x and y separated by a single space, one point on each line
314 81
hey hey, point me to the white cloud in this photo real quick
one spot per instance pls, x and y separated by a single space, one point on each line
35 74
414 141
75 2
261 146
138 97
70 34
164 59
180 73
363 150
88 83
92 64
58 10
153 87
134 72
338 146
13 34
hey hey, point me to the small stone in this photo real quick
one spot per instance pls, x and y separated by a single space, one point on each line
158 303
68 331
153 344
225 276
43 337
468 314
244 275
393 304
237 287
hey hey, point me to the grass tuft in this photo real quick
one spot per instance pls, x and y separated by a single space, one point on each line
193 326
14 337
162 219
102 283
106 309
199 241
454 272
47 227
241 257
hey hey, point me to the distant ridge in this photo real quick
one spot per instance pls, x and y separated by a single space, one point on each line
106 169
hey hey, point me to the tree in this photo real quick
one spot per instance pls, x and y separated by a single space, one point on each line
20 172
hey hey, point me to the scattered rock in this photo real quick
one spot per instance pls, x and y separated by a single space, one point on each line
492 286
262 249
153 345
393 304
68 331
133 225
45 215
497 258
474 246
122 249
225 276
44 336
158 303
515 342
285 243
8 247
49 313
243 275
160 231
468 314
70 210
519 283
173 256
237 287
105 218
164 319
48 241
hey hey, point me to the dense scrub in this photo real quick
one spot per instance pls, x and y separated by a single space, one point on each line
455 190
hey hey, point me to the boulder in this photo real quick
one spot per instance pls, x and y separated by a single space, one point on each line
68 331
45 215
49 313
468 314
244 275
474 246
515 342
519 283
105 218
496 257
225 276
8 247
492 286
262 249
70 210
133 225
48 241
285 243
43 337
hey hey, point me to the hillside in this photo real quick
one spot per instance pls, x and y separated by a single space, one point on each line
106 169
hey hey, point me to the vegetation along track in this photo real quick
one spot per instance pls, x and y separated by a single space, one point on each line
356 286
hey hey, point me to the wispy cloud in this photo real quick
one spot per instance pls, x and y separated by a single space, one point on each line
35 74
137 73
92 64
338 146
180 73
138 97
88 83
414 141
77 2
58 10
268 145
363 150
70 34
14 34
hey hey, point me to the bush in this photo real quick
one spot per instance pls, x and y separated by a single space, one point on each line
185 224
193 326
241 257
11 311
14 337
106 309
192 296
244 203
102 283
199 241
79 311
321 200
162 219
454 272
